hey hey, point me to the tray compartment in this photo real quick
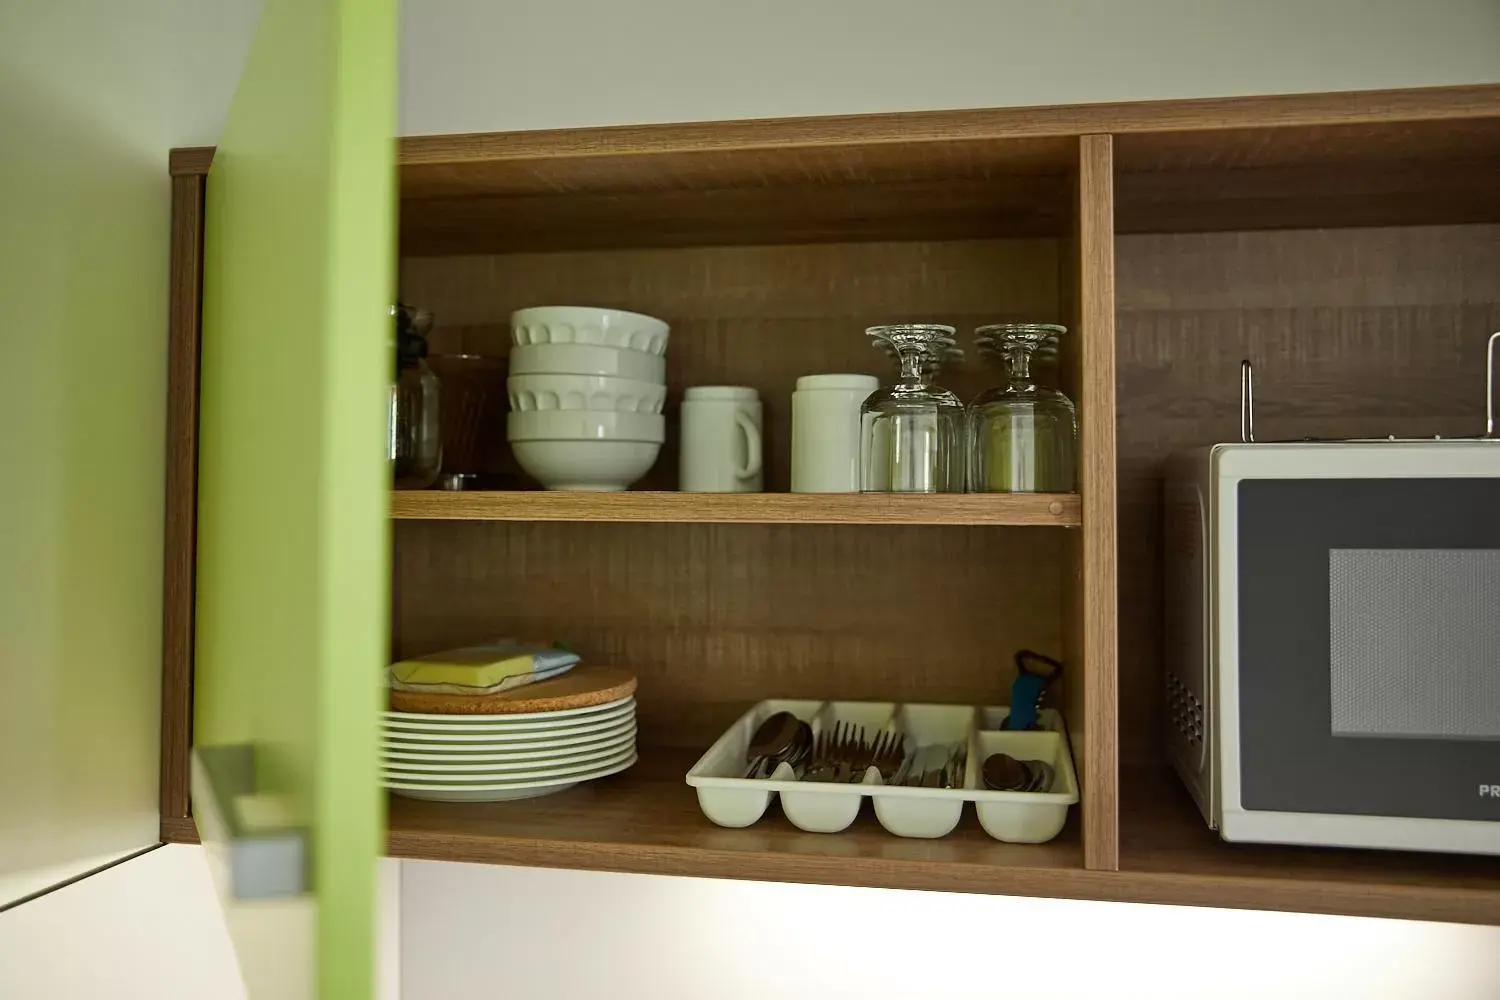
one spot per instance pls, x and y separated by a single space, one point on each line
728 798
925 813
829 807
1023 817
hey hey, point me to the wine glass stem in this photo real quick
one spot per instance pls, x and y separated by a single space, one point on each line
1018 359
911 366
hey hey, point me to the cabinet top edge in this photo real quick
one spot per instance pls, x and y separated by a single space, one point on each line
190 161
1055 122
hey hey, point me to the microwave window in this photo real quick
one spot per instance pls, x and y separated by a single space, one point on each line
1414 642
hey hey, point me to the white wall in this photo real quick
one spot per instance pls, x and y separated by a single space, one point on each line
477 65
475 932
149 928
92 96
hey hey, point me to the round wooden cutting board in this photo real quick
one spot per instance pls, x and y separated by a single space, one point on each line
581 687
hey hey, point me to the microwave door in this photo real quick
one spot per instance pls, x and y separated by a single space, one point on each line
1367 672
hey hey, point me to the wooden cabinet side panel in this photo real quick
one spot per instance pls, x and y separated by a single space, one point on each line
181 500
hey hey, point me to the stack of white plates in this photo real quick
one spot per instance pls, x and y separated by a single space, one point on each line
488 758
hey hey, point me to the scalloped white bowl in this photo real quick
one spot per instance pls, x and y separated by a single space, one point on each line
584 425
594 466
584 392
587 359
588 325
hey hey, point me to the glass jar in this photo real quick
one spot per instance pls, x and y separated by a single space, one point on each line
414 428
1022 433
913 431
473 409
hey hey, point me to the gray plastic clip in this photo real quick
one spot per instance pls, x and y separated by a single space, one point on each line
261 863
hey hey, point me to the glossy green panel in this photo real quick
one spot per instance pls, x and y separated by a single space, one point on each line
292 558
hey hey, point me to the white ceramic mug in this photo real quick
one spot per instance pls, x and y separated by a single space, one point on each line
720 440
826 432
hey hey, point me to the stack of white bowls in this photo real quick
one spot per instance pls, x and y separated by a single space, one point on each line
586 388
491 758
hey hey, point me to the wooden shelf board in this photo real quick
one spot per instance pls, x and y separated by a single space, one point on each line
1058 509
1164 842
647 821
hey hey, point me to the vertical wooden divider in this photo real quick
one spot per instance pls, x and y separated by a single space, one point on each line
181 497
1089 593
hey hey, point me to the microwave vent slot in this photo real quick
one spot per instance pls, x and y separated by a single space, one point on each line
1186 710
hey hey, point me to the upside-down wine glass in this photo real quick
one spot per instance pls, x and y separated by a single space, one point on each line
1022 433
913 431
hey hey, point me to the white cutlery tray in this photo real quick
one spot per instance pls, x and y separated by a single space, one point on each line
729 799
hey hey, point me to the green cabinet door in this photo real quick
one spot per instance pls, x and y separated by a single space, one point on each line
292 578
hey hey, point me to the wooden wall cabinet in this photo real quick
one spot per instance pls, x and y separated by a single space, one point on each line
1349 243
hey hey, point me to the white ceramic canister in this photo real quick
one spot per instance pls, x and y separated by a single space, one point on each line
826 432
721 440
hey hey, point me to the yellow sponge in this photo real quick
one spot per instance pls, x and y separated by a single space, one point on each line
479 668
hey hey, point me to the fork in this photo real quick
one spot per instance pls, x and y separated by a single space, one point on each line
884 753
824 763
889 755
840 754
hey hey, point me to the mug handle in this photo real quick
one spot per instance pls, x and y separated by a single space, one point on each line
752 445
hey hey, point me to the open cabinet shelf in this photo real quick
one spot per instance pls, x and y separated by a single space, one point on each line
1164 844
647 821
769 247
1059 509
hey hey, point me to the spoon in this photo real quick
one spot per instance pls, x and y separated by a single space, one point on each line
795 753
801 747
773 738
1003 773
1042 775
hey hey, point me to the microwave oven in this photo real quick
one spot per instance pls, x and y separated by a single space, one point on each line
1332 641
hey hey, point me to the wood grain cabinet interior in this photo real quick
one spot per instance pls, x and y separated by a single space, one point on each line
1349 243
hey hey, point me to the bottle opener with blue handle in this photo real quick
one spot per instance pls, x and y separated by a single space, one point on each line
1034 674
